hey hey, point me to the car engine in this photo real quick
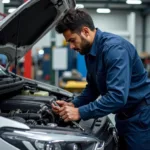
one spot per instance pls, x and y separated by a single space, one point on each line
31 110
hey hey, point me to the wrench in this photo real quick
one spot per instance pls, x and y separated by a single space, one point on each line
75 123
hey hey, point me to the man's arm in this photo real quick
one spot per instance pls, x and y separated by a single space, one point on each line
67 111
118 66
87 95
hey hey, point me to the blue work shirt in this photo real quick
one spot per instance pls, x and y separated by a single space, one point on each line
116 77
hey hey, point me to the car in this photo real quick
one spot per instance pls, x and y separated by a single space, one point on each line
27 121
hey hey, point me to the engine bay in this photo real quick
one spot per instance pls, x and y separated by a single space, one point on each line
31 108
31 105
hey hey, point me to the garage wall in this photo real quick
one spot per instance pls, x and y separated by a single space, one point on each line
116 22
139 32
148 33
1 7
110 22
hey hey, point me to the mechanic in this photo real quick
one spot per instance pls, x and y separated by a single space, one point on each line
117 81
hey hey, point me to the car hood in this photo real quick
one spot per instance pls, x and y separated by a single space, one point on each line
20 30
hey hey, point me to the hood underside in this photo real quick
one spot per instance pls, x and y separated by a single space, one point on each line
28 24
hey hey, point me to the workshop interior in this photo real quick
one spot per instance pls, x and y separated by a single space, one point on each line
128 19
38 67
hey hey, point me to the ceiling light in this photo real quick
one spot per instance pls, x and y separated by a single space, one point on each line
134 2
103 10
41 52
11 10
5 1
79 6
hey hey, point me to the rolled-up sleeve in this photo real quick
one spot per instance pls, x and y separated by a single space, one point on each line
118 68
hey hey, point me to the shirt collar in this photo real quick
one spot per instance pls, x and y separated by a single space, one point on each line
93 50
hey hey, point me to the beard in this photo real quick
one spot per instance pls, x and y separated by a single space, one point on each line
85 46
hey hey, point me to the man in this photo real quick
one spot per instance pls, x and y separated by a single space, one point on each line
114 71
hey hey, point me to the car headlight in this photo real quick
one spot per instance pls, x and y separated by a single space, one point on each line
57 146
40 145
25 140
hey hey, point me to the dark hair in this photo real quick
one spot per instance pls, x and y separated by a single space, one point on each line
74 20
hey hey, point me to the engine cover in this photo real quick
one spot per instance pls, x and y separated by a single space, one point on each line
26 103
32 110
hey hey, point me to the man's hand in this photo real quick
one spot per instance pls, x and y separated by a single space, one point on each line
68 113
61 103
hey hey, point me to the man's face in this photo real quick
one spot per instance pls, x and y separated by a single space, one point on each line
78 42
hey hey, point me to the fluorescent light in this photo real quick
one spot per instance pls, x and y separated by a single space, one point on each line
134 2
41 52
79 6
103 10
11 10
5 1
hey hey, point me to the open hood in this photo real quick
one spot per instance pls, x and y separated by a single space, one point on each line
28 24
